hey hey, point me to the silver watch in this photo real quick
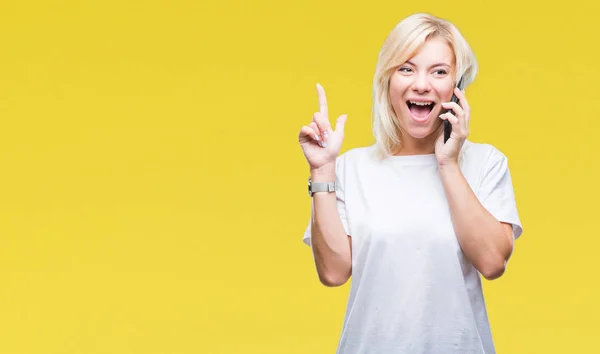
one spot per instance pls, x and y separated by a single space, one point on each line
314 187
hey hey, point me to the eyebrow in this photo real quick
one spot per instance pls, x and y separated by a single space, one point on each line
432 66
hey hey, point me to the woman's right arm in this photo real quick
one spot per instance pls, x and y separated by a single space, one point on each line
330 244
332 247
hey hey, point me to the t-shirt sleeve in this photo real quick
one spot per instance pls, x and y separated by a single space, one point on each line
497 193
340 197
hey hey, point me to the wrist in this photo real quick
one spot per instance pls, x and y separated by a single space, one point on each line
325 173
449 168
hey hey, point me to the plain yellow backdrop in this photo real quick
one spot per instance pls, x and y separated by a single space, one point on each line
153 193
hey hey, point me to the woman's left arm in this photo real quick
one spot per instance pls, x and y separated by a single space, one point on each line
486 242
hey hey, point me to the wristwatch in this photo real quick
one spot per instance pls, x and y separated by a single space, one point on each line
314 187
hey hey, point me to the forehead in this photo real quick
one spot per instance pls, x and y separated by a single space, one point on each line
435 50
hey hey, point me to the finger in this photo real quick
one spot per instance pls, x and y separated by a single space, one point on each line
322 101
462 99
340 124
458 111
308 133
451 118
322 124
459 129
314 127
319 137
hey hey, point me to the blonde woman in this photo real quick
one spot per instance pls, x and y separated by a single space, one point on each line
415 221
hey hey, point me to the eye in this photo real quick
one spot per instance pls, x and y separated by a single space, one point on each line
404 69
440 72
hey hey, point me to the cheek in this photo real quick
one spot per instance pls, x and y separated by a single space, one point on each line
397 90
446 92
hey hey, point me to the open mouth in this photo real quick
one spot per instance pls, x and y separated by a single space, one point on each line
420 109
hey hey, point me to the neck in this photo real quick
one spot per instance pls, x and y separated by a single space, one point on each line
414 146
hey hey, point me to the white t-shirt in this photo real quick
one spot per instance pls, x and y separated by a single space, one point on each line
412 288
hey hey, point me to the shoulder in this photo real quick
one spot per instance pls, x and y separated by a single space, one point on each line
353 161
481 155
355 155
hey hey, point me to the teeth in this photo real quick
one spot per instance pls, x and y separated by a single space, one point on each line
421 103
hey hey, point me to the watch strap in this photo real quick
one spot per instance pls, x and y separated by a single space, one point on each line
314 187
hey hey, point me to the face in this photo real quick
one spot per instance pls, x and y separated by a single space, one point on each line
419 86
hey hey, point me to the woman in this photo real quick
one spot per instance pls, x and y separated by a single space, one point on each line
413 219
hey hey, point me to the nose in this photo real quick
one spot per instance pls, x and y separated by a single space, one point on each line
421 83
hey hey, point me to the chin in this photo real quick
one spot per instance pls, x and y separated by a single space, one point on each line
421 136
422 132
419 133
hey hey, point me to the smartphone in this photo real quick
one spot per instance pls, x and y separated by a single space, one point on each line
447 124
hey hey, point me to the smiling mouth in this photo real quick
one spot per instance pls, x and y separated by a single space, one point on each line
420 109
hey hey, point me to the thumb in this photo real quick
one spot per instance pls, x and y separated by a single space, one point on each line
340 123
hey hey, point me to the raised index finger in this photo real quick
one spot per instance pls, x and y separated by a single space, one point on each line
322 101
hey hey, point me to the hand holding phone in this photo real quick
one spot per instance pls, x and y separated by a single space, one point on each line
447 124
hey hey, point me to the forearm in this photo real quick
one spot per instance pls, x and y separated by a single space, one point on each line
330 243
481 236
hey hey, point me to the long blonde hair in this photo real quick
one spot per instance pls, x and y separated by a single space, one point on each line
407 37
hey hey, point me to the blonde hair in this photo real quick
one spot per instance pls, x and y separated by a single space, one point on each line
402 43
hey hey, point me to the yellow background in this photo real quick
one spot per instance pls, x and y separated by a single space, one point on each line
153 193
